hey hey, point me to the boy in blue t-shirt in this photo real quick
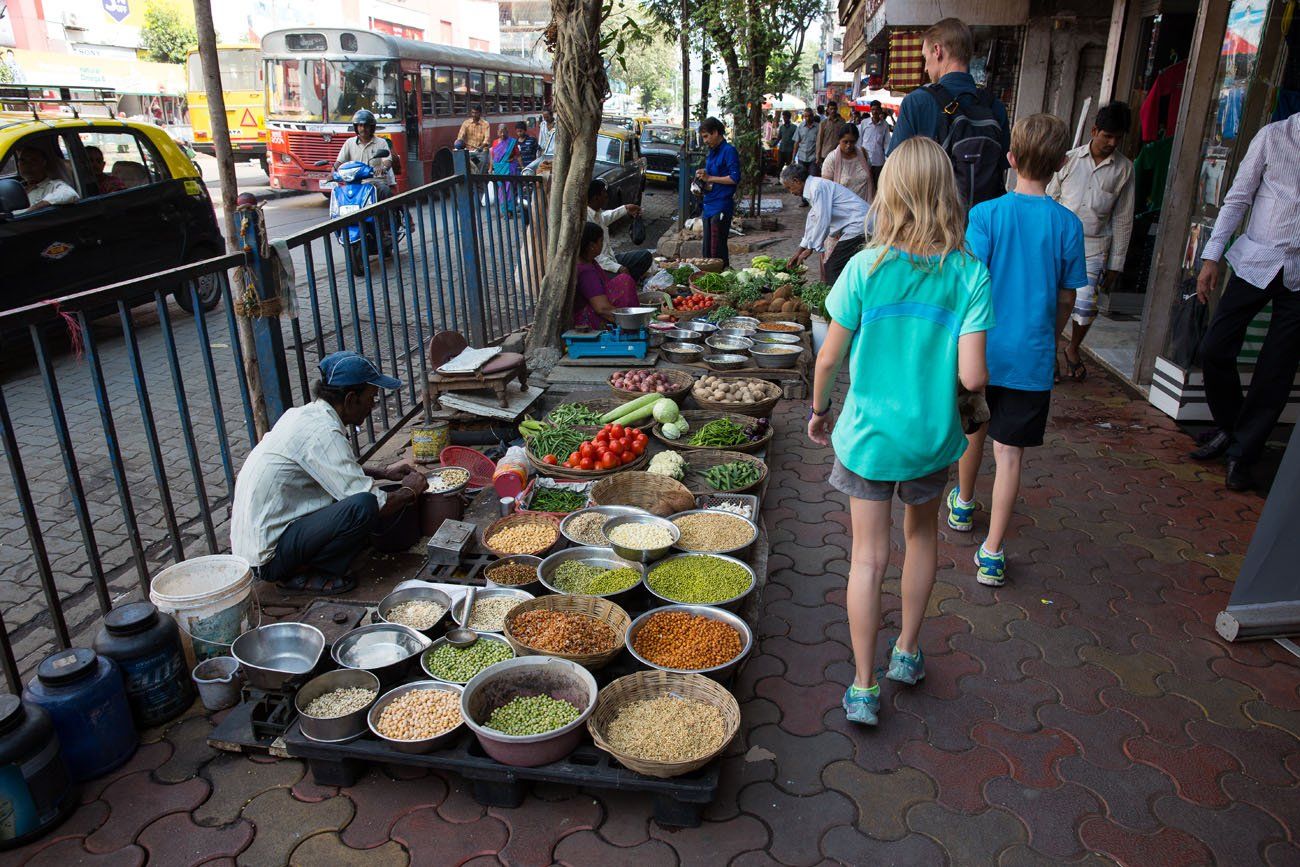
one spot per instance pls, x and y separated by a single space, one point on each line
1033 248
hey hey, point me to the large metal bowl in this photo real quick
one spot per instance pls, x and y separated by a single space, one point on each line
729 344
730 604
482 636
425 745
737 551
682 353
699 326
521 595
683 335
725 361
636 555
386 650
765 338
792 327
339 729
717 672
526 559
278 654
412 594
608 511
746 322
526 676
735 333
633 318
603 558
776 357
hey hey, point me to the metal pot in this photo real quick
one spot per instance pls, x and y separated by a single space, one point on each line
279 654
527 676
776 357
602 558
386 650
683 335
726 361
729 604
637 555
339 729
421 746
682 353
412 594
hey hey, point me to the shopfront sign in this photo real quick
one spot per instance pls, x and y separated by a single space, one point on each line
118 10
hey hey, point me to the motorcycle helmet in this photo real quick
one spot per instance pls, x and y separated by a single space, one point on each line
364 117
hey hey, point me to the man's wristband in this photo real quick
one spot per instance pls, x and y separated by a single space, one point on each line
813 413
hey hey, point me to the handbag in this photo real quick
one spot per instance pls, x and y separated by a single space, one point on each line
637 231
1190 321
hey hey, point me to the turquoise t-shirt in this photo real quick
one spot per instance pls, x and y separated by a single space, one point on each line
900 419
1033 247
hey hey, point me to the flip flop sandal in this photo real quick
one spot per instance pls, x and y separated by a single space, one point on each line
319 585
1077 371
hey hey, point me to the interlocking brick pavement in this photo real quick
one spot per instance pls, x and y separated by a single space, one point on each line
1086 713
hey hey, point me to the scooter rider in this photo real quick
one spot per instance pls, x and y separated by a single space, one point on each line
362 149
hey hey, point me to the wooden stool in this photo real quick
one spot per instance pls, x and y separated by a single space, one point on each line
495 374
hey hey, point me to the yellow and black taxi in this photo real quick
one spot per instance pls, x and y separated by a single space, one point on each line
90 201
619 164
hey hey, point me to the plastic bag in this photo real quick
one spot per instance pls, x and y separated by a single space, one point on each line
662 281
1190 320
637 231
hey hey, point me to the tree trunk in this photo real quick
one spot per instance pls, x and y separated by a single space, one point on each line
580 90
706 72
207 36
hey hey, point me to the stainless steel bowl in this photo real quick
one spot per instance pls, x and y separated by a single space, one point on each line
770 338
717 672
521 595
421 746
482 636
608 511
638 555
527 559
339 729
776 357
412 594
730 604
699 326
384 649
603 558
748 322
726 361
737 551
682 335
633 318
277 654
796 325
735 333
682 353
737 345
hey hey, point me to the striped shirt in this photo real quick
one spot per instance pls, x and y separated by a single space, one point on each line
1267 182
303 465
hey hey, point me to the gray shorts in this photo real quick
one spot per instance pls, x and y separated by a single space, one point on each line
913 492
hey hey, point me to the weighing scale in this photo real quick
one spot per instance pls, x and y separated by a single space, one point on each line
612 342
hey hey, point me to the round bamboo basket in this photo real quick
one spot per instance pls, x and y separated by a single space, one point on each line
603 405
603 610
645 685
517 520
700 461
556 471
682 382
758 409
698 418
654 493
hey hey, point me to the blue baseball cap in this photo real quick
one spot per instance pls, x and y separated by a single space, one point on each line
347 368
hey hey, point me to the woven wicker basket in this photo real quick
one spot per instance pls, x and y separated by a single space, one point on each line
760 409
593 606
654 493
700 461
698 418
680 378
653 684
515 520
603 405
556 471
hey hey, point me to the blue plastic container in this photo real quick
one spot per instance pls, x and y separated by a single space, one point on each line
85 696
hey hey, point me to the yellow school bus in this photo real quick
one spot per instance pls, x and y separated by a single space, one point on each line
242 84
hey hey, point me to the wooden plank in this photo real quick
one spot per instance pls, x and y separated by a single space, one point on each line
1031 95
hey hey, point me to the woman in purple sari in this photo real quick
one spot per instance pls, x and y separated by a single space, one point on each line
598 293
505 161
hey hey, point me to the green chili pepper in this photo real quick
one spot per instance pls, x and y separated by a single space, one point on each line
556 500
719 433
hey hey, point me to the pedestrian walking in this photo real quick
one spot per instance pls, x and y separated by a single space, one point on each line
721 174
1266 267
1034 251
874 134
1096 183
805 144
828 131
909 313
835 212
848 165
785 140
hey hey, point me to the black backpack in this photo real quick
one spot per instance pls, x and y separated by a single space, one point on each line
975 141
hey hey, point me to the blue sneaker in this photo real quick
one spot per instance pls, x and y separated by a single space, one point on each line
862 705
959 516
905 667
991 569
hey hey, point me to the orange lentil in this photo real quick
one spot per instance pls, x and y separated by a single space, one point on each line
678 639
563 632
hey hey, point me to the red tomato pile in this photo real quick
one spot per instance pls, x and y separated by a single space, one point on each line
615 446
693 302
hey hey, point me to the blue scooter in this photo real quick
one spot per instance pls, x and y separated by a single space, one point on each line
350 193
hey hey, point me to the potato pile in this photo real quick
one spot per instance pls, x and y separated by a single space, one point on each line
734 390
780 301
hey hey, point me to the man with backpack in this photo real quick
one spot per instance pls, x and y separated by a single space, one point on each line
968 121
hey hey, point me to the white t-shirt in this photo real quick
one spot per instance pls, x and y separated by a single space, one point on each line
51 191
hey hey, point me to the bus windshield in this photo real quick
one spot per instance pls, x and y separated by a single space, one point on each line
241 69
332 90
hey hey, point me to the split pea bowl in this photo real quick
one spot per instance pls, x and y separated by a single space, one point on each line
718 672
601 558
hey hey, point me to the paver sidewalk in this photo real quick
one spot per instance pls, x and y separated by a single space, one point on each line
1084 713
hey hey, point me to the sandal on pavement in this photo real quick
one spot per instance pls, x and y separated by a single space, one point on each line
320 585
1075 365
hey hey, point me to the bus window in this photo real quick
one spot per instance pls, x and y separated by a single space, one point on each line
460 91
297 89
358 84
476 88
426 91
442 90
490 89
538 102
521 86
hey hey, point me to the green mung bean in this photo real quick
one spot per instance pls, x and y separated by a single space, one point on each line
460 664
576 577
699 579
534 715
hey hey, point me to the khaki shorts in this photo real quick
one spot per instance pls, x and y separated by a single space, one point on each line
913 492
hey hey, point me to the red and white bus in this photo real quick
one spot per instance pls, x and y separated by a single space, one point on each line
419 92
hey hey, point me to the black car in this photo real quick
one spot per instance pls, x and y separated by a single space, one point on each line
662 146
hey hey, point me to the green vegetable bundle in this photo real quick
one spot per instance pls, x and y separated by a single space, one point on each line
558 440
720 314
814 295
720 433
681 274
574 414
714 284
557 500
732 476
744 294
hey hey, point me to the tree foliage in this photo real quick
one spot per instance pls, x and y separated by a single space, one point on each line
643 56
168 36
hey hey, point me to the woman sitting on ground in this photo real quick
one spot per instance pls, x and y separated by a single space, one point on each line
598 292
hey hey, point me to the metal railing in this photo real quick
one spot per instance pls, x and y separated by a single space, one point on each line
123 426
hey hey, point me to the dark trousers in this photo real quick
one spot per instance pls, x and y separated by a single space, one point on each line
783 159
717 231
840 256
637 262
324 542
875 176
1251 418
813 167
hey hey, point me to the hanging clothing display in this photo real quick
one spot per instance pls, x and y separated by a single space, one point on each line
1160 108
906 63
1150 170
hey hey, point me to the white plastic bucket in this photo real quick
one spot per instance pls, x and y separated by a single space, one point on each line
819 329
211 598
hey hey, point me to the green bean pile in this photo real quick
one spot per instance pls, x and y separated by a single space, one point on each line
574 414
558 440
732 476
556 500
720 433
